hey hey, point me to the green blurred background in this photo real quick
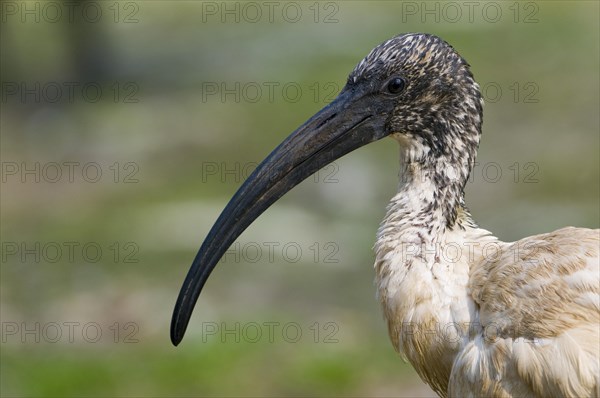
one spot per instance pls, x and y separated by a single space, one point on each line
149 112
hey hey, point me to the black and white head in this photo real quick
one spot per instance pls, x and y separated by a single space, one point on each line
413 87
437 105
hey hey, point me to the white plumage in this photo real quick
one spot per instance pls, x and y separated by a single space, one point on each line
477 316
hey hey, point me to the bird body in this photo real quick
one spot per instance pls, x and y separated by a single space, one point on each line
475 316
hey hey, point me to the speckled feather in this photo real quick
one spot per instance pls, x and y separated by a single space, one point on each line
520 320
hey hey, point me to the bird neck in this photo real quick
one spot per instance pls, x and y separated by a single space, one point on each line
426 210
431 190
416 280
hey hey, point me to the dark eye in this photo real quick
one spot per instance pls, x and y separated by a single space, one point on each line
396 85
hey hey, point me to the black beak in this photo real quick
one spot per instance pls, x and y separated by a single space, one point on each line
355 118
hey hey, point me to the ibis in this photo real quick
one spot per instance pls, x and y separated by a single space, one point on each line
494 319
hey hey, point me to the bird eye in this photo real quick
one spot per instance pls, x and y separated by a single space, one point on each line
396 85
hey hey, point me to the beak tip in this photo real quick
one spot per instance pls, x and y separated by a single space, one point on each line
177 331
176 337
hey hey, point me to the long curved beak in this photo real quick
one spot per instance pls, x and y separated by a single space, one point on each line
352 120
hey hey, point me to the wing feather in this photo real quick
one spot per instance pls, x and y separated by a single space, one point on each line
539 302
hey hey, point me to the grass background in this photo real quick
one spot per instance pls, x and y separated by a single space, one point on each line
537 61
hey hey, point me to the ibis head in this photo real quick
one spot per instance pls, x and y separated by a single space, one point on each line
413 87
